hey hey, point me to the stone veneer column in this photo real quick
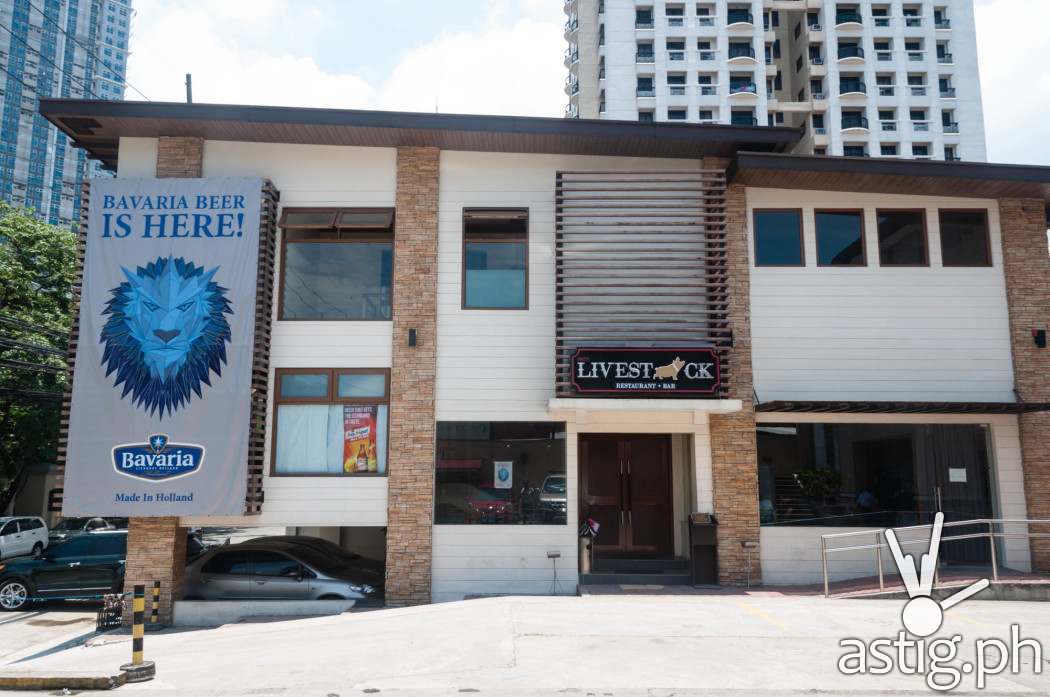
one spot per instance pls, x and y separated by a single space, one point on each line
1026 266
734 456
410 478
157 546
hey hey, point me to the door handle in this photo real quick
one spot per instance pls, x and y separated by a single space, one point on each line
74 563
260 583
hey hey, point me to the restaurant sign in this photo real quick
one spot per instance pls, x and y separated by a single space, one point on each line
645 371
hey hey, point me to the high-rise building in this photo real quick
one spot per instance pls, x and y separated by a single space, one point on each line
863 78
54 48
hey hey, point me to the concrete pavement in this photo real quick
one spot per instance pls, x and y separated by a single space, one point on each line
42 626
756 644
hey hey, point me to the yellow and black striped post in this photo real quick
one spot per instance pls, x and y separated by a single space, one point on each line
156 603
138 609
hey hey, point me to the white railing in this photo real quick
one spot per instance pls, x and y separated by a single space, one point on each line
879 536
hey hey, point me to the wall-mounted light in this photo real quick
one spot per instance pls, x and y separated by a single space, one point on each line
1039 336
411 337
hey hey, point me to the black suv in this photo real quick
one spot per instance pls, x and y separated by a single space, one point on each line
85 566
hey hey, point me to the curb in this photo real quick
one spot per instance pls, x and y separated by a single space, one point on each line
57 680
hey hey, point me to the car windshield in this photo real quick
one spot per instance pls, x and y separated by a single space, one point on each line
491 495
70 524
554 485
318 561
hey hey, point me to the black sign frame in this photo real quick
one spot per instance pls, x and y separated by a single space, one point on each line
656 358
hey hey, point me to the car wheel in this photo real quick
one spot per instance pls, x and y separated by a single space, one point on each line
14 594
38 548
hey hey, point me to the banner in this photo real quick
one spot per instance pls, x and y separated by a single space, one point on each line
162 382
359 438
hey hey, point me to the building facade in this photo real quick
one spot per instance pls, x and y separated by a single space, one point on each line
863 78
547 321
54 48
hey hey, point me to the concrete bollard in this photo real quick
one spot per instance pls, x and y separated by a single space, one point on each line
139 670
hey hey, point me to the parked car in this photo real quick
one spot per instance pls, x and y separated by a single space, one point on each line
69 527
553 499
194 545
22 535
85 566
369 571
273 570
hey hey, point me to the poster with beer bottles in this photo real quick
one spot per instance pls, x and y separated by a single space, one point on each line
359 438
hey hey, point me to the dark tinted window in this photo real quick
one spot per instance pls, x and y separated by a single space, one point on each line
10 528
109 544
273 564
902 238
840 238
228 563
97 524
35 524
964 238
344 280
778 238
495 254
77 547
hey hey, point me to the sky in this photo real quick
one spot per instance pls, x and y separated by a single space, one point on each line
480 56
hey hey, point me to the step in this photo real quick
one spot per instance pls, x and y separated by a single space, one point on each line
621 565
607 579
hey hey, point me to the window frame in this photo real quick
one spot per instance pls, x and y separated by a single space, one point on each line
331 398
355 236
863 238
987 237
503 239
801 237
925 237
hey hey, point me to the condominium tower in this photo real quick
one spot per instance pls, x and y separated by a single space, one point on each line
863 78
54 48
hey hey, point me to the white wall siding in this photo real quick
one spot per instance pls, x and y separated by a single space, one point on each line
137 157
878 333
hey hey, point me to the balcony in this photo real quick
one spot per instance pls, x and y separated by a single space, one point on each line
645 93
820 131
852 87
705 21
918 90
948 93
916 56
676 55
742 88
572 57
814 28
942 23
945 58
920 126
818 96
572 25
854 122
676 90
847 17
816 60
743 120
883 56
676 21
912 21
739 17
645 58
889 126
706 55
847 52
887 90
881 21
643 24
737 52
708 90
951 127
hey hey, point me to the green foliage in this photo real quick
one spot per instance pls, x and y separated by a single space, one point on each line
37 268
819 483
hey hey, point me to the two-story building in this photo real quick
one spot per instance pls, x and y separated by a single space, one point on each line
550 320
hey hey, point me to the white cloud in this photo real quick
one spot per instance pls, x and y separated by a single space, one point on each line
1011 43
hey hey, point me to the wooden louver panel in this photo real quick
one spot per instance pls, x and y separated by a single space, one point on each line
640 261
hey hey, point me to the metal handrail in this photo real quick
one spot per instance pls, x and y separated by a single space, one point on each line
879 545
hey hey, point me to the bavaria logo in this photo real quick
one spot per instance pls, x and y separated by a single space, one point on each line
166 333
157 459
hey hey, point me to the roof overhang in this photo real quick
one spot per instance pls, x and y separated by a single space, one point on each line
98 125
902 407
890 176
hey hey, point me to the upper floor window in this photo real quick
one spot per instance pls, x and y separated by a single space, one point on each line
964 238
337 263
778 237
902 238
840 238
495 258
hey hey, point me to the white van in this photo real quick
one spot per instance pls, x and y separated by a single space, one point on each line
22 535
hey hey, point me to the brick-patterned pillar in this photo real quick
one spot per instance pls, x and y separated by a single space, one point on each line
157 546
734 455
1027 269
412 429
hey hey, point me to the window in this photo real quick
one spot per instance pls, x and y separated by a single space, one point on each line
500 472
871 475
10 528
902 238
77 547
676 114
231 563
266 563
778 238
840 238
888 150
495 258
337 264
330 421
964 238
109 545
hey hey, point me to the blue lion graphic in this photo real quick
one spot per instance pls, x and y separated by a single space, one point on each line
166 332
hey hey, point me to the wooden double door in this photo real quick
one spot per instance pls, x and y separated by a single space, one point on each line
625 485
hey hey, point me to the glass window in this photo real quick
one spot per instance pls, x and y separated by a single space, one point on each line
109 544
337 264
872 475
77 547
274 564
10 528
840 238
495 259
778 238
902 238
234 563
964 238
337 426
500 472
